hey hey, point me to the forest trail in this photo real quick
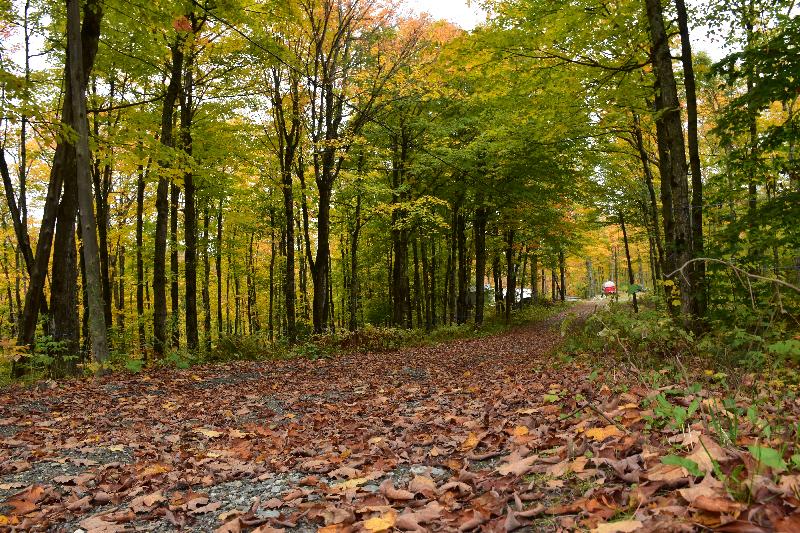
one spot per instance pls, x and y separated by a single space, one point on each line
486 433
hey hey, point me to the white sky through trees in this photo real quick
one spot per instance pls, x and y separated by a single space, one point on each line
468 14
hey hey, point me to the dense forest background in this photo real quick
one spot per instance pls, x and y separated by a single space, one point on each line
185 177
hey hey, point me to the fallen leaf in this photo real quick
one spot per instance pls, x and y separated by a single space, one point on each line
601 434
622 526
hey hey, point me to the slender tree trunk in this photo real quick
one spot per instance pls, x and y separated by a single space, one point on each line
479 227
449 310
218 269
562 268
63 161
631 278
320 274
97 325
498 285
354 279
64 320
522 278
163 205
417 284
121 287
433 282
534 275
648 178
271 325
671 141
429 302
190 210
463 269
140 280
175 320
205 292
699 290
511 278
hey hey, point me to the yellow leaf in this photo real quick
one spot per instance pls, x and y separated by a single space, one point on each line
623 526
155 469
333 528
210 433
470 442
117 448
601 434
381 523
349 484
521 431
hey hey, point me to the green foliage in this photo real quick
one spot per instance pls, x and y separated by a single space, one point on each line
688 464
768 457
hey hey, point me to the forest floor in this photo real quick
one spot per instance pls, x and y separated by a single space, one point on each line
493 434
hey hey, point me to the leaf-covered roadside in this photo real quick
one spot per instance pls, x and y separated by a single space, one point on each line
492 434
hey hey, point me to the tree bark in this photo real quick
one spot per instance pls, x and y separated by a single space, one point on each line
175 320
511 278
354 279
205 292
189 209
218 269
463 268
671 141
97 325
562 269
631 278
479 228
63 161
698 269
162 205
140 281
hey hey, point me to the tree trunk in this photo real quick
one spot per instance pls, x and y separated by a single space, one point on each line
698 270
534 275
97 325
463 269
205 292
648 178
511 278
218 269
175 320
429 302
417 285
189 212
433 282
562 269
63 161
354 279
631 278
163 206
479 227
121 288
140 281
670 139
320 265
498 285
271 324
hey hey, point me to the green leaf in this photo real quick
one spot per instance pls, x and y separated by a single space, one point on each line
768 457
688 464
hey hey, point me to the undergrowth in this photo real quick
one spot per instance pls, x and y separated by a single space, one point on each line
654 343
259 347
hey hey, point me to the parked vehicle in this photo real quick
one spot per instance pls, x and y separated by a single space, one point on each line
609 288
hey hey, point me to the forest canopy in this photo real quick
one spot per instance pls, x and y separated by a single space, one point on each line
184 178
